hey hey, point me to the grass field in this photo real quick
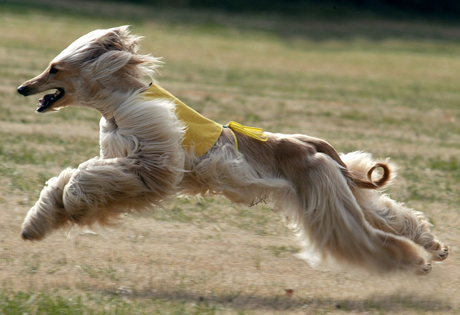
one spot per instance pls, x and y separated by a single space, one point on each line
387 87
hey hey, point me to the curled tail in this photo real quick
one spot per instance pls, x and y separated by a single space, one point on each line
371 184
324 147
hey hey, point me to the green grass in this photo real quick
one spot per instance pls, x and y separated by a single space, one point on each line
13 303
19 303
387 87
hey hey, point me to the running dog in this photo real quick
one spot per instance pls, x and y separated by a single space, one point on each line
153 147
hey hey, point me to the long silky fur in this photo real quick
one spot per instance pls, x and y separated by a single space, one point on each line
333 203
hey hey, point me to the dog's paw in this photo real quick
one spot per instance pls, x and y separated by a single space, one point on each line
440 254
424 268
438 251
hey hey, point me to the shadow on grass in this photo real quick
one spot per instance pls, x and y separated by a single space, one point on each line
126 301
244 301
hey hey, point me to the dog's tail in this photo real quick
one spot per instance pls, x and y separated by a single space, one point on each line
324 147
371 184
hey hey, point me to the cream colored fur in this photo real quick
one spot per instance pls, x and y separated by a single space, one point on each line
338 213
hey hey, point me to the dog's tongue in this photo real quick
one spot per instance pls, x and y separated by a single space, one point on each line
44 102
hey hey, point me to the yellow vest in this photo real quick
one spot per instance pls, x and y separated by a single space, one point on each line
201 132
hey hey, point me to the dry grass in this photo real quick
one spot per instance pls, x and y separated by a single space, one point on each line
384 87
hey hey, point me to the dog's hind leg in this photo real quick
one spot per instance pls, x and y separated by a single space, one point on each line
419 231
393 217
330 222
385 214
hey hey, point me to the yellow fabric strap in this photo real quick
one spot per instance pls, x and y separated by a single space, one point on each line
256 133
201 133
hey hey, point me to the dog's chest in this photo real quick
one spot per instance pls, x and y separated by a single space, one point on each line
114 142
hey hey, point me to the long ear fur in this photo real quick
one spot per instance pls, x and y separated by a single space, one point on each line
117 50
119 38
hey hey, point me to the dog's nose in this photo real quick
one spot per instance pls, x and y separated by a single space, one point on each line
23 90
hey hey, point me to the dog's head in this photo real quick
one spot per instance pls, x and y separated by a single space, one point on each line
89 69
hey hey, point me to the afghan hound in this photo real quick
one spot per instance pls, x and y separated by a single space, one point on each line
153 148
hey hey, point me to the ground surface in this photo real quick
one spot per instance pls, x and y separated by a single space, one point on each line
390 88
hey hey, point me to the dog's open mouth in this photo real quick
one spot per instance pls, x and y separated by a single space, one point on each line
46 101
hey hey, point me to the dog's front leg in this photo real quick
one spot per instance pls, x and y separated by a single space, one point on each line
48 212
95 193
101 189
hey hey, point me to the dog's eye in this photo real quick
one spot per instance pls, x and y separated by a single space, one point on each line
53 70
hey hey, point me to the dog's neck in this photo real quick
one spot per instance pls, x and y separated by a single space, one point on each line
113 98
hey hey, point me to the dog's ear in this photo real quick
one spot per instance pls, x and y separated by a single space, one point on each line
137 60
106 47
115 39
119 38
96 54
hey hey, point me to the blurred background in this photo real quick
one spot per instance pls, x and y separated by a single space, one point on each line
443 9
370 75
